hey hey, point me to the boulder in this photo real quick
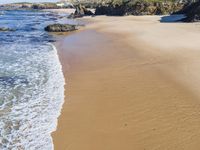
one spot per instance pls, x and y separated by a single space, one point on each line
60 28
80 12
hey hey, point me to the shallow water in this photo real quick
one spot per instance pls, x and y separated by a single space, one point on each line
31 82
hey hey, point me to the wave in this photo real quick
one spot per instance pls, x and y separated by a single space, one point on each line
31 103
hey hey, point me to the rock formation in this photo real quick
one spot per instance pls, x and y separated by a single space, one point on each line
192 12
60 28
131 7
80 12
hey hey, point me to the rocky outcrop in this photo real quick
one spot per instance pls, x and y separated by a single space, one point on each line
80 12
45 6
192 12
29 6
3 29
60 28
131 7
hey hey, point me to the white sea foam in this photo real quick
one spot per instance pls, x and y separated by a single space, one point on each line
31 97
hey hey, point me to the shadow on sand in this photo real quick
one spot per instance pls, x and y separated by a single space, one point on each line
172 18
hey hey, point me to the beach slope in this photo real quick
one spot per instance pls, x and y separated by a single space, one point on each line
132 83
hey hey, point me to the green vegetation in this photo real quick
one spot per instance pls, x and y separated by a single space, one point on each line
139 7
160 0
120 2
132 2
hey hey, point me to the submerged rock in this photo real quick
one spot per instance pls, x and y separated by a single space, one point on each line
60 28
3 29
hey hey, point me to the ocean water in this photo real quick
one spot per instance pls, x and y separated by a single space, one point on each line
31 82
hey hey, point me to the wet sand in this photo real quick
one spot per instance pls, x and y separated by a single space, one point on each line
132 83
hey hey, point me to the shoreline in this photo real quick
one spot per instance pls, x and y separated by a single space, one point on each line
131 82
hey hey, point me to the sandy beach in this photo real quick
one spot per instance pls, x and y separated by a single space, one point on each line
132 83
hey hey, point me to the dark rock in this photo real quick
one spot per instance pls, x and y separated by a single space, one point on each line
130 7
60 28
71 16
80 12
101 10
3 29
51 41
192 12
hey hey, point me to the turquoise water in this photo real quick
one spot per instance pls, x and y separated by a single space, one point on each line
31 82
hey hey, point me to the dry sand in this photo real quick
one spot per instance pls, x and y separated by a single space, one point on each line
132 83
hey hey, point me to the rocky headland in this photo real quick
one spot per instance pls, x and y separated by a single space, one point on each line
139 7
27 6
122 8
142 7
